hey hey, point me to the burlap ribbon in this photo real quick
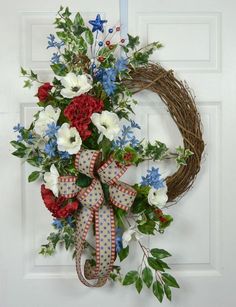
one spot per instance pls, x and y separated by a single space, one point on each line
95 208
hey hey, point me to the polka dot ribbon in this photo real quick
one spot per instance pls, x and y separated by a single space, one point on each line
94 208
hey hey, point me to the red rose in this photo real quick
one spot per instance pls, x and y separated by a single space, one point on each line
59 206
79 113
43 91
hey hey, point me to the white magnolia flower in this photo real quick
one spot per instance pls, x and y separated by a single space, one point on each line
158 197
75 85
51 180
47 116
130 234
107 123
68 139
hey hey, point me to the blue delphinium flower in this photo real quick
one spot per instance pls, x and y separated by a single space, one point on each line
18 127
64 155
70 221
134 124
30 139
50 148
52 43
121 64
19 138
119 245
153 179
108 80
57 224
55 59
52 130
134 142
127 136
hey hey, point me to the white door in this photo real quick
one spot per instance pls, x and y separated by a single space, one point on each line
200 45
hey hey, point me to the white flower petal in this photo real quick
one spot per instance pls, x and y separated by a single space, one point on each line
68 139
51 180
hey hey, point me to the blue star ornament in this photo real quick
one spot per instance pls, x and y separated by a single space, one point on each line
97 23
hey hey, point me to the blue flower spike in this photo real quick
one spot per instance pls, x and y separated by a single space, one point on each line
153 179
97 23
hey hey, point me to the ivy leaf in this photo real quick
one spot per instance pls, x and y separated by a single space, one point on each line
159 253
139 285
18 145
155 264
78 20
147 276
23 71
169 280
130 278
167 292
89 36
132 41
28 83
123 253
59 69
147 228
158 290
33 176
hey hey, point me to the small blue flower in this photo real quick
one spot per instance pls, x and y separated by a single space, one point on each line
134 142
52 130
153 179
19 138
30 139
121 64
55 58
134 124
64 155
126 131
50 148
70 221
119 244
108 81
57 224
18 127
52 42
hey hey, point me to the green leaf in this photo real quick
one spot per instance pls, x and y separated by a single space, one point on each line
139 285
78 20
155 264
159 253
169 280
34 161
59 69
83 181
18 145
167 292
89 36
28 83
139 205
130 278
34 176
123 253
132 41
158 290
147 276
147 228
23 71
20 153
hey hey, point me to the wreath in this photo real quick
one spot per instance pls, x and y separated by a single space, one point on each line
83 139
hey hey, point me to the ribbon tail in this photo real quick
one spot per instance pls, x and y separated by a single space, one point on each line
105 245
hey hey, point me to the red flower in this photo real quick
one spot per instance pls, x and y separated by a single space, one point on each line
43 91
58 206
79 112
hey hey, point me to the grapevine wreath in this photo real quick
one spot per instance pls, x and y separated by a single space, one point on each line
83 139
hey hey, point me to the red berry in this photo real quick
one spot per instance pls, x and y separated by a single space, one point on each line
162 219
117 29
108 43
158 212
122 40
111 47
101 58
